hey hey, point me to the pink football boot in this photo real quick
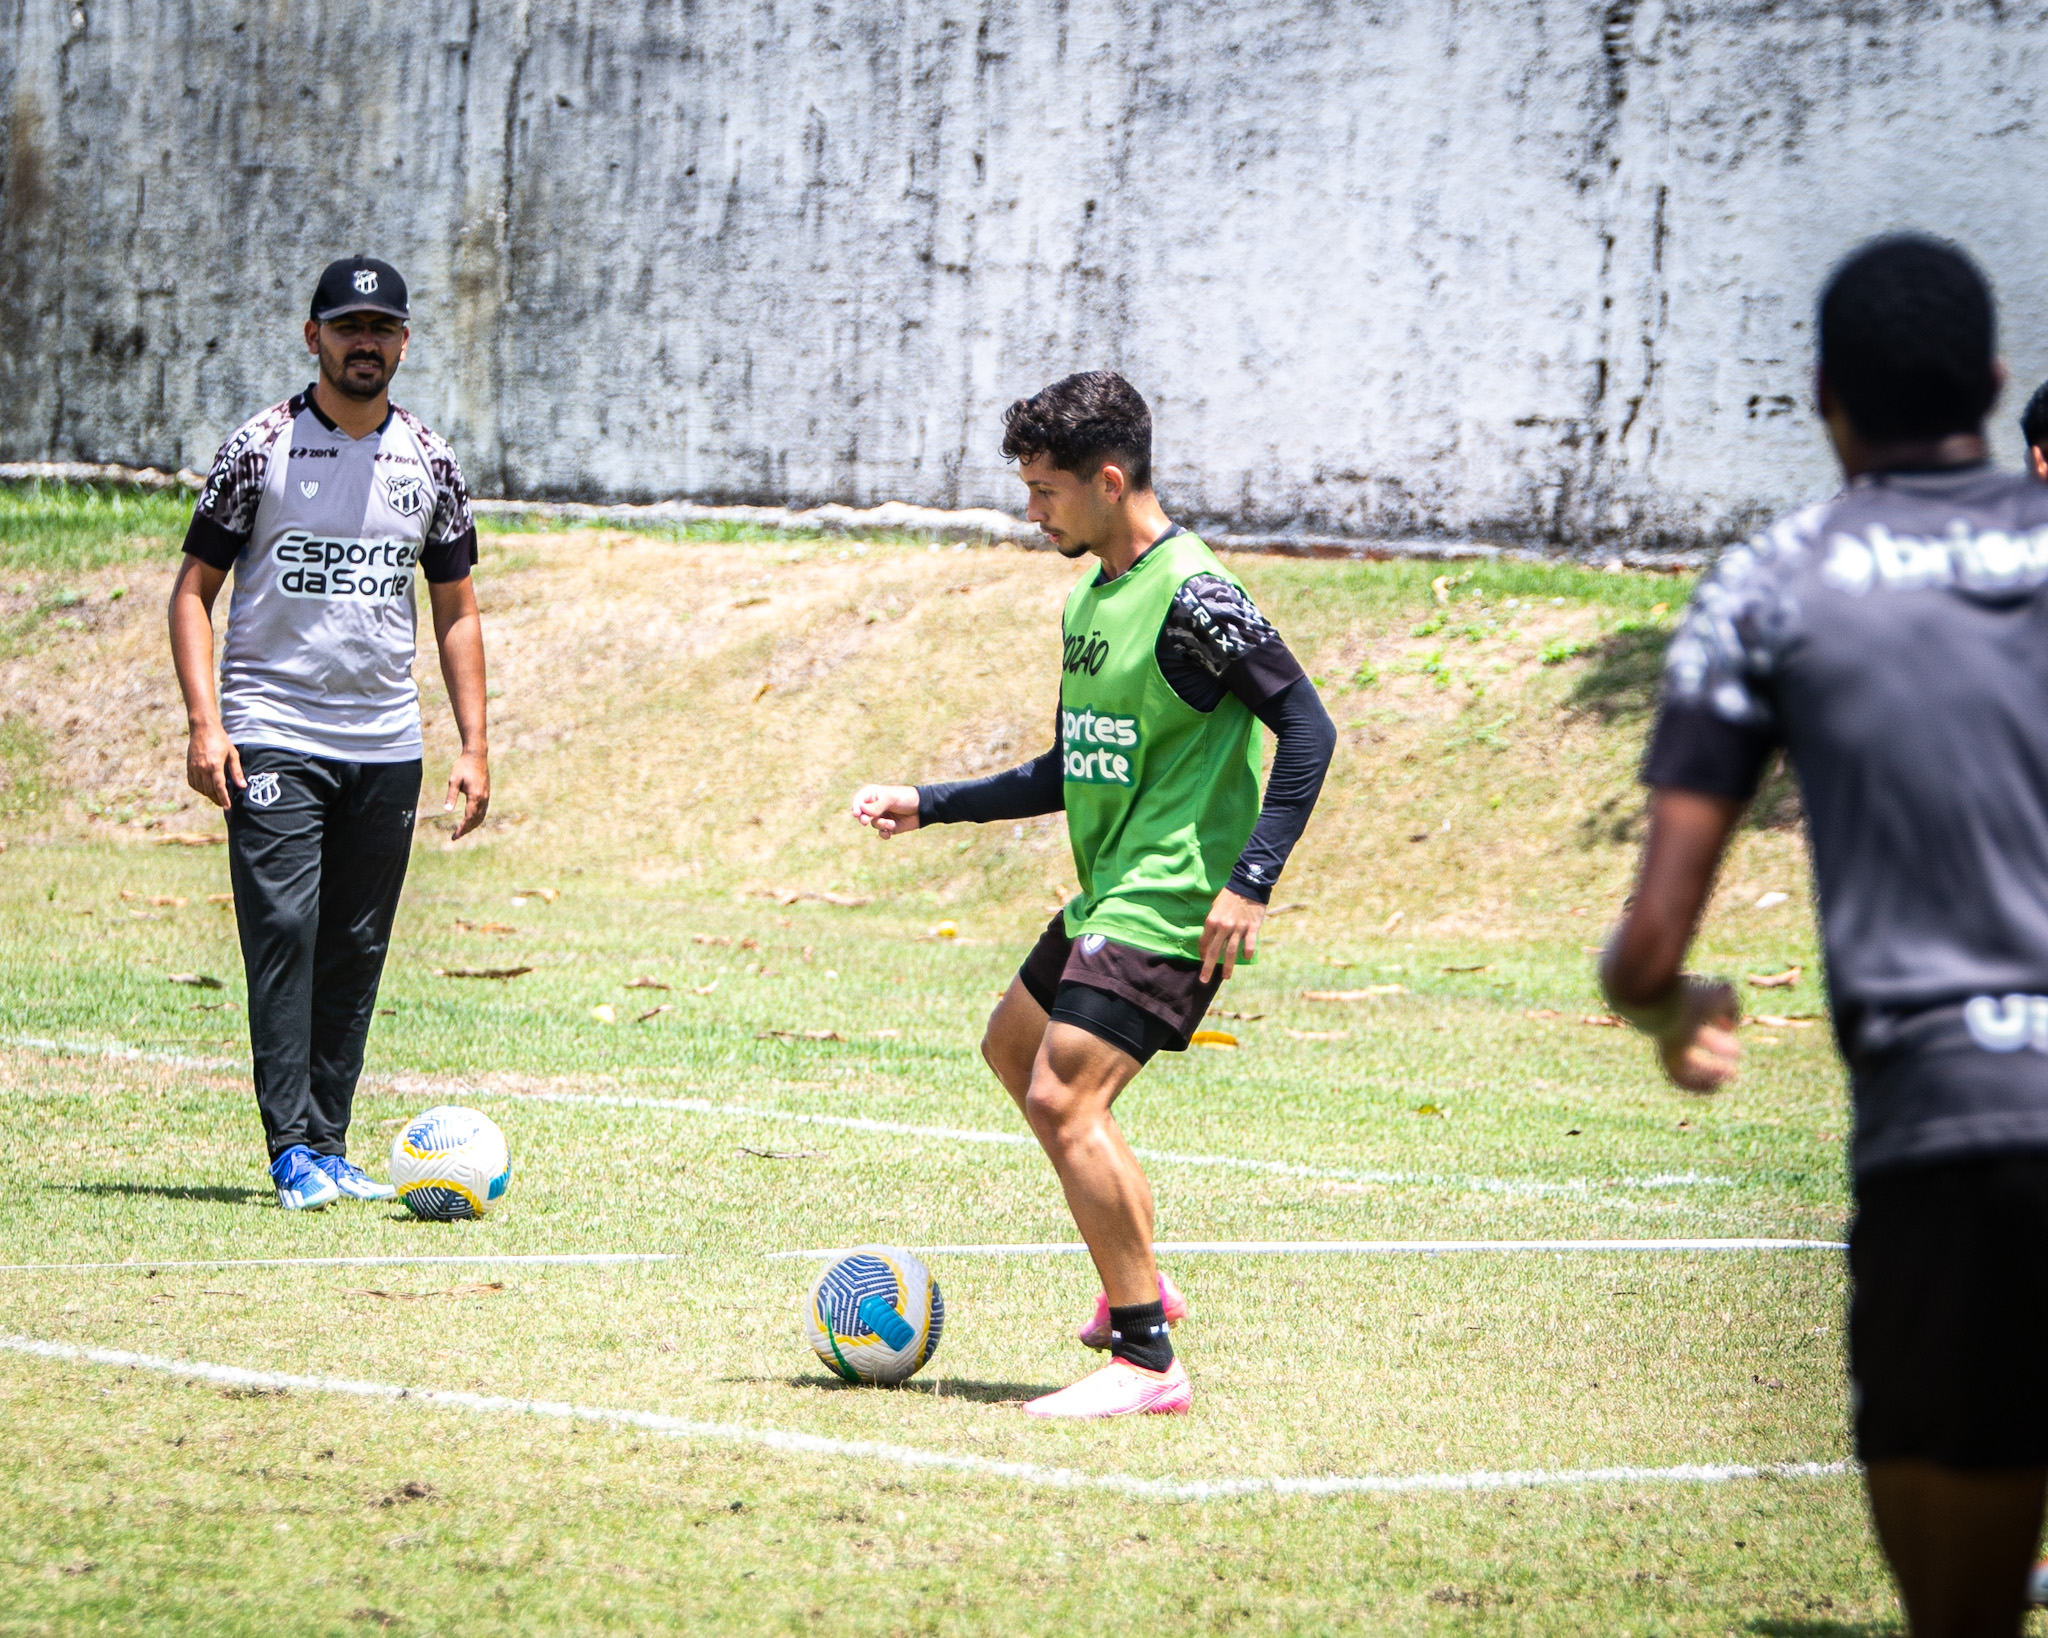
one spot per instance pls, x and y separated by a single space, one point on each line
1119 1389
1095 1334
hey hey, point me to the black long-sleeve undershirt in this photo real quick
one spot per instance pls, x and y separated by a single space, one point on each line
1304 738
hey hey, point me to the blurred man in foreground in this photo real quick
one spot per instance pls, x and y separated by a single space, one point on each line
1894 642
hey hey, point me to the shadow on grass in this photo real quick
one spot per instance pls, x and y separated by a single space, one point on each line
217 1194
1622 673
1620 684
945 1387
1800 1627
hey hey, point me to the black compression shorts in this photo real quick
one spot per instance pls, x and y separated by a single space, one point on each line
1138 1002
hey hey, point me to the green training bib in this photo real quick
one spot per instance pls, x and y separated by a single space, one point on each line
1161 798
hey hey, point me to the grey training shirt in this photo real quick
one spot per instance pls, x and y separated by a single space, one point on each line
322 532
1894 641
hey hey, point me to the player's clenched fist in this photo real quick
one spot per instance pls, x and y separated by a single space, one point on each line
1702 1053
888 809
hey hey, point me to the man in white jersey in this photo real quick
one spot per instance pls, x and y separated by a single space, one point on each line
322 506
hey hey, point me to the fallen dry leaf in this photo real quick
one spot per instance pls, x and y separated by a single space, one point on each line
546 895
186 839
1212 1038
1429 1109
489 1288
708 938
204 981
704 989
1601 1020
785 1154
1284 910
654 1012
220 898
799 1035
760 691
1393 921
1481 967
646 984
1777 1021
168 901
1365 994
1241 1017
793 895
1319 1034
1775 981
748 603
462 926
1541 1012
481 972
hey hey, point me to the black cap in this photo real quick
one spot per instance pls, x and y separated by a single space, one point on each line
358 284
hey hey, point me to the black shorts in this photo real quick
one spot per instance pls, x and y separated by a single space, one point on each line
1948 1314
1138 1002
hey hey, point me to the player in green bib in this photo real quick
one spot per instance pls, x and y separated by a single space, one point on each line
1167 672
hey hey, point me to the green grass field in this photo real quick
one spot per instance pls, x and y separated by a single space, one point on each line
676 726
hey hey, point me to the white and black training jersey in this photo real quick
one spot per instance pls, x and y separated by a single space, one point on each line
1894 642
322 531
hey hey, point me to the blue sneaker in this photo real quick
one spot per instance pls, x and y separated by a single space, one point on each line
301 1184
352 1180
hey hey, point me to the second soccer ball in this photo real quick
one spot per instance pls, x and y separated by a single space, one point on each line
450 1163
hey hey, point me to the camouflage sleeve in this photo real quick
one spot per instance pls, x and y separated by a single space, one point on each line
1744 611
226 511
1718 722
450 551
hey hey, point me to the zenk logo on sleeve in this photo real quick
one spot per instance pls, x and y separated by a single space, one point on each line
1093 747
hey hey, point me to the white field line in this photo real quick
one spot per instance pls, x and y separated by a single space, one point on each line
1583 1187
1165 1157
906 1456
1179 1248
1347 1248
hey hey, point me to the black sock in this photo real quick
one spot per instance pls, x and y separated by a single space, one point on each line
1138 1333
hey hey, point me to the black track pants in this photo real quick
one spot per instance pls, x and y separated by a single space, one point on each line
317 850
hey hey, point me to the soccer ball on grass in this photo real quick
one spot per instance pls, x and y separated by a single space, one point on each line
450 1163
874 1315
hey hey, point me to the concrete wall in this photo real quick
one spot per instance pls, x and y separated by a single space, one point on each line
1521 269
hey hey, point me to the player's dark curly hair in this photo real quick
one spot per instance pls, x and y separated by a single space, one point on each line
1909 338
2034 418
1081 422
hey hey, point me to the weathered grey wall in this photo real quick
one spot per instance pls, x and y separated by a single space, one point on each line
1524 269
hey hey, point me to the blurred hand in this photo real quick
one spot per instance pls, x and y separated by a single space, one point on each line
470 779
211 762
1702 1054
1231 930
889 810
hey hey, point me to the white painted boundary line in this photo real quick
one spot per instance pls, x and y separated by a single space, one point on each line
599 1259
1581 1187
1348 1248
1166 1157
1179 1248
811 1444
